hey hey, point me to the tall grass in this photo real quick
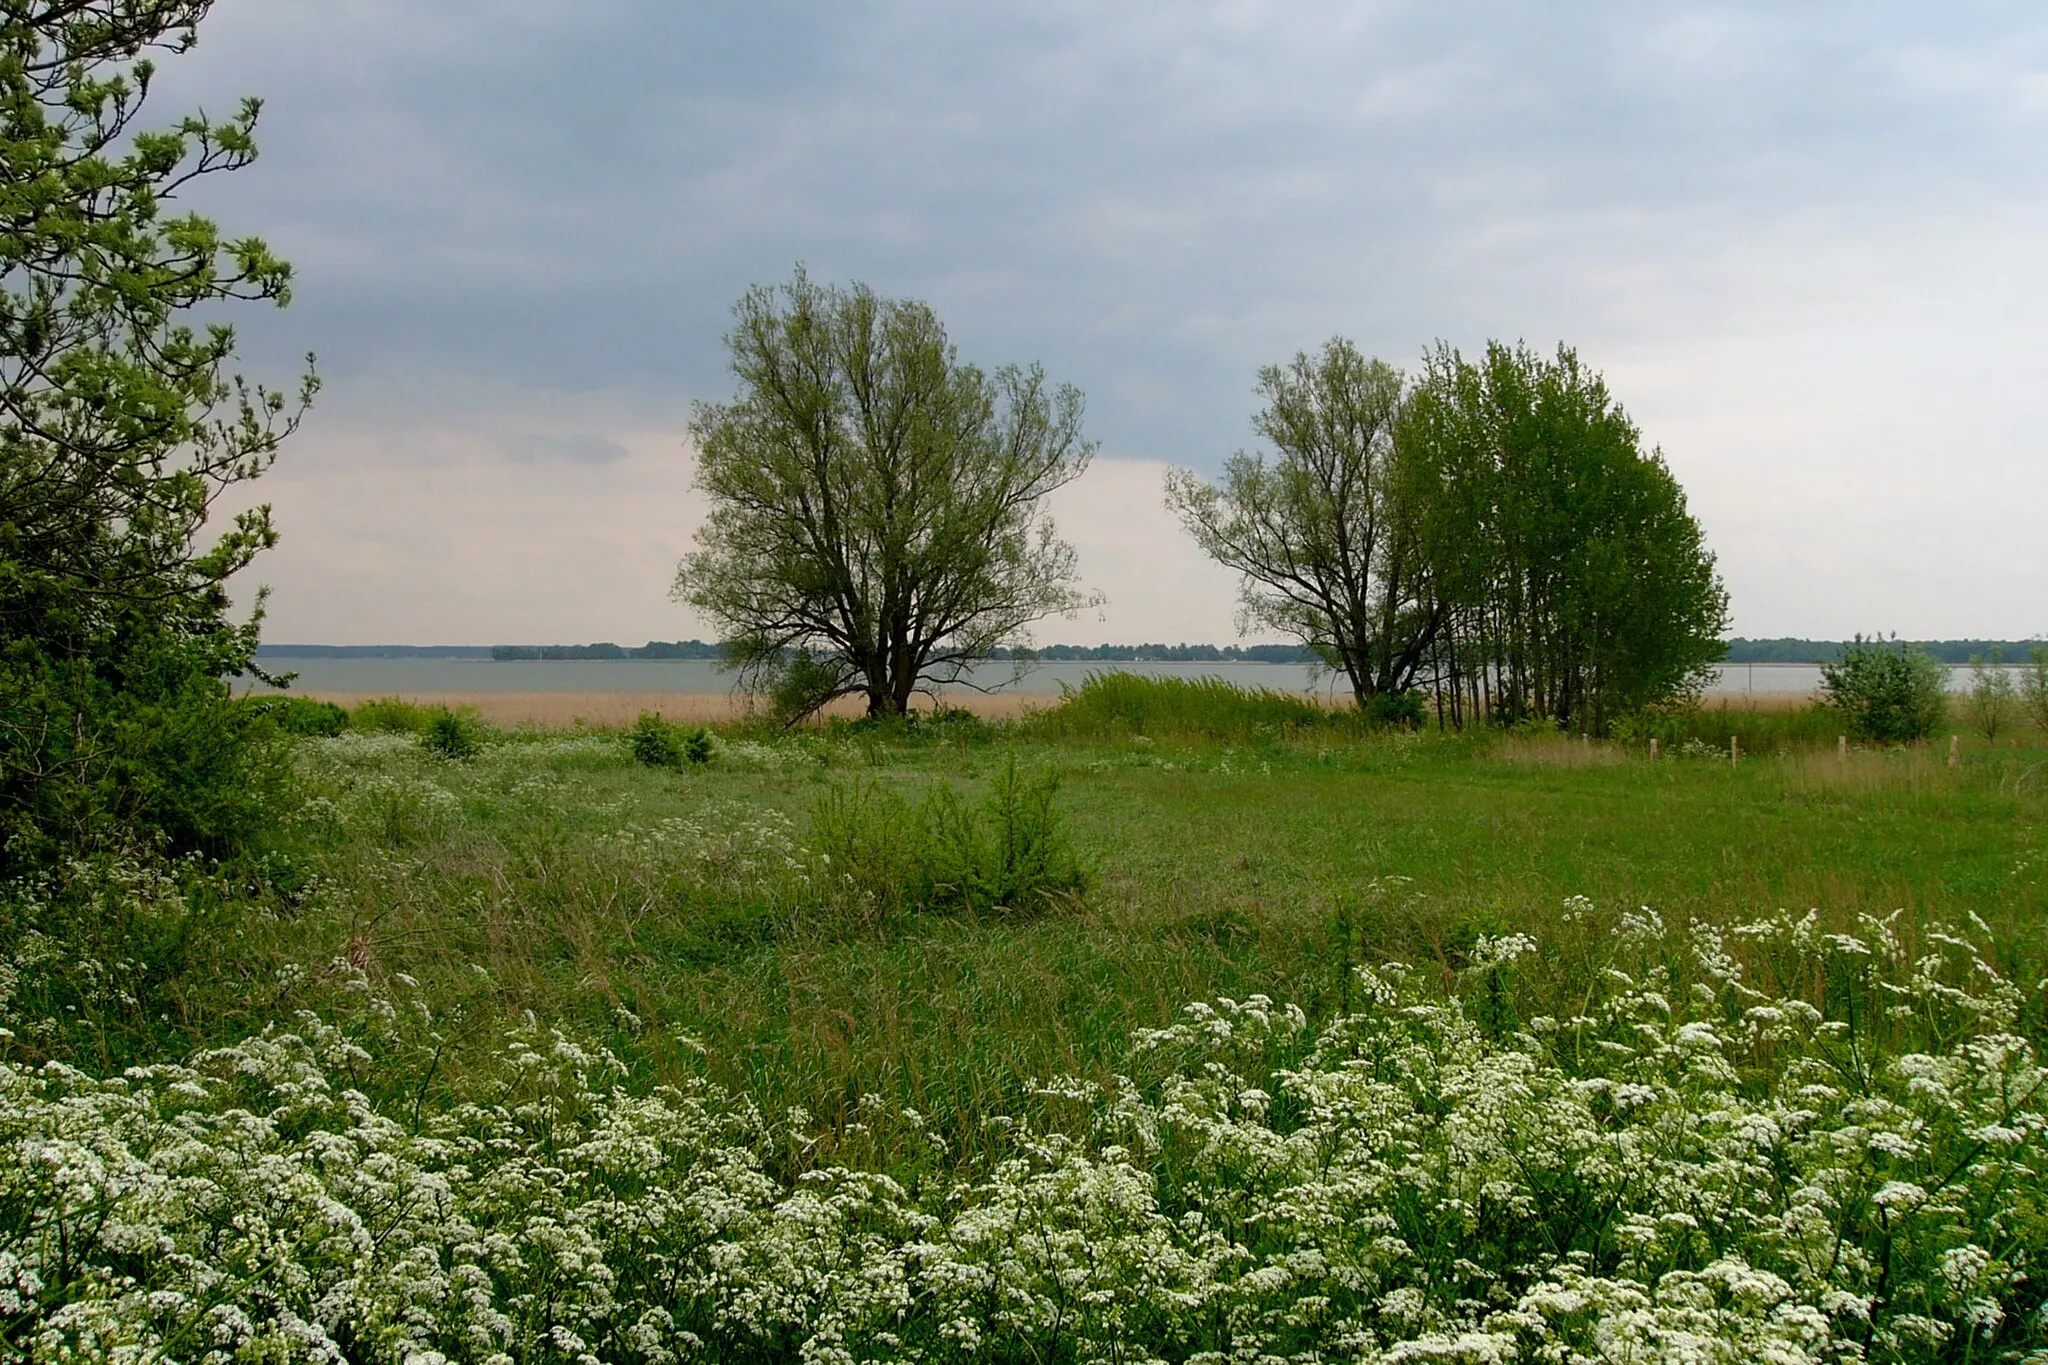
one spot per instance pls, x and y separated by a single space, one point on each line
1127 705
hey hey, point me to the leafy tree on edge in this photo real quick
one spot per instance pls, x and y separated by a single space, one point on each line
120 429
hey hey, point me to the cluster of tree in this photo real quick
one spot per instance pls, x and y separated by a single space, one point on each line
121 427
1491 533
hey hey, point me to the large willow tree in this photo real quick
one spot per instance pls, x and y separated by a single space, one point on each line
120 429
877 508
1326 535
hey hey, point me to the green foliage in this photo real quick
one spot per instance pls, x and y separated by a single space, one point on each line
658 744
454 735
1886 692
1397 710
877 511
1572 579
1992 703
120 429
880 854
1327 539
654 742
137 746
1761 731
299 715
1118 705
2034 687
389 715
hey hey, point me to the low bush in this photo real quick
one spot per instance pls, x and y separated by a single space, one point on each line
658 744
1120 705
1396 710
300 715
1840 1160
455 735
1886 692
138 744
879 853
389 715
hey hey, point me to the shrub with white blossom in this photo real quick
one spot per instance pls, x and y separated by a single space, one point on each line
1843 1162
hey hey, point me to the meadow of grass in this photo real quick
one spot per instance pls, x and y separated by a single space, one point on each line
1256 846
718 925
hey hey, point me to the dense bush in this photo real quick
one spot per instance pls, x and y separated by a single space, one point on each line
300 715
880 854
1886 692
135 742
658 744
1697 1166
454 735
1116 705
1396 710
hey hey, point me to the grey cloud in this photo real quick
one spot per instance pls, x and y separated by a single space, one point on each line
580 448
1152 197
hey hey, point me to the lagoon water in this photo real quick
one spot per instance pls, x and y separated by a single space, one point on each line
432 677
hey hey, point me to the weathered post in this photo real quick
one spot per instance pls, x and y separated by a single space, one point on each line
1954 743
1653 748
1735 751
1841 746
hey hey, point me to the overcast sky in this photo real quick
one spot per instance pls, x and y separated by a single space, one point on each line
1803 242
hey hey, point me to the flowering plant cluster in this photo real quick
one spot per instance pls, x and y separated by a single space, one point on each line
1843 1163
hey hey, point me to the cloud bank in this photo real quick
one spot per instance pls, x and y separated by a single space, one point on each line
1802 242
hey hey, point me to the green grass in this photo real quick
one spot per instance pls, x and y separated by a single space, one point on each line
666 912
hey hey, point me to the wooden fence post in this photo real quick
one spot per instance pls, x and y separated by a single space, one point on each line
1735 751
1841 746
1954 743
1653 748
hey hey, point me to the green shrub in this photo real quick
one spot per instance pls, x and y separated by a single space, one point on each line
654 742
453 735
697 746
1118 705
1396 710
879 853
138 744
1011 854
300 715
1886 692
390 715
658 744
